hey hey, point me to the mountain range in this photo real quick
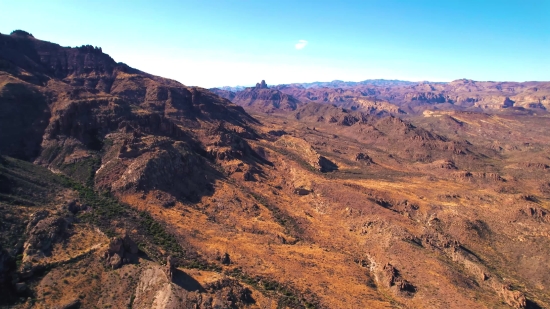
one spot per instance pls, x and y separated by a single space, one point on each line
121 189
414 98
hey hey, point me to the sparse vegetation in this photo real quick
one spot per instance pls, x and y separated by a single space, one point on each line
288 222
287 296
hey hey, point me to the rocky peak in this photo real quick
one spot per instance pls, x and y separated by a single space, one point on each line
261 85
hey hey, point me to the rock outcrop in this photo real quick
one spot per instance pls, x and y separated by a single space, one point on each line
121 250
515 299
535 213
392 278
362 157
170 268
326 166
225 259
154 290
43 230
307 153
261 85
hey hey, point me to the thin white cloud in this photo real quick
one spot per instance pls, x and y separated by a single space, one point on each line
301 44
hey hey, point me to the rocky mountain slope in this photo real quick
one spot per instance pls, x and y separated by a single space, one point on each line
123 189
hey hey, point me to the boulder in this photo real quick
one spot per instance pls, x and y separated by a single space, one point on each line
121 250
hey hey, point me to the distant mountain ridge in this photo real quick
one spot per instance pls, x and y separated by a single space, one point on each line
340 83
415 97
232 88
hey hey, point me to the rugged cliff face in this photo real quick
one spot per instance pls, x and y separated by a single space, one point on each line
83 107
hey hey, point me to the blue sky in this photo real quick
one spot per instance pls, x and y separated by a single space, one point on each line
217 43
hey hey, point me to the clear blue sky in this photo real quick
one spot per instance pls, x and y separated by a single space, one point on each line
216 43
